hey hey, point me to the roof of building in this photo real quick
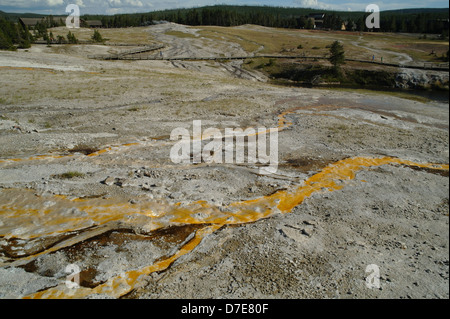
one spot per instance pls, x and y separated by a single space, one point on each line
94 23
30 21
316 15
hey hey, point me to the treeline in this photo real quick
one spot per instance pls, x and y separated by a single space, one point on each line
226 16
433 21
13 36
276 17
413 21
123 20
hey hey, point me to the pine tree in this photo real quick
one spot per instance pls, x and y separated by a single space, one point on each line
5 42
393 26
301 22
24 36
14 34
337 57
71 38
48 40
97 37
361 24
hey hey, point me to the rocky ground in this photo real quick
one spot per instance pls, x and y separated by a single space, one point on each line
86 178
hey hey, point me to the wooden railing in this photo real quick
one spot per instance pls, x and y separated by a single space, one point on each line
128 54
136 54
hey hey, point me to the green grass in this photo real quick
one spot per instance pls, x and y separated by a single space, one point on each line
273 40
222 34
311 42
251 40
339 128
134 35
180 34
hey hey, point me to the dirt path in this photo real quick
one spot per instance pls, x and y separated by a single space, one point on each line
398 57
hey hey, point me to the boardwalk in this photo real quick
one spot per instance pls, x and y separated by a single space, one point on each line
135 54
128 54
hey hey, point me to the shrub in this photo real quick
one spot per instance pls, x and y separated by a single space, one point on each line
70 175
97 37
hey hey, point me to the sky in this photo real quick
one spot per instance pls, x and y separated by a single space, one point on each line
131 6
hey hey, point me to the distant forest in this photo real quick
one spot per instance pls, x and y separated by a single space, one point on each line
433 21
409 20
